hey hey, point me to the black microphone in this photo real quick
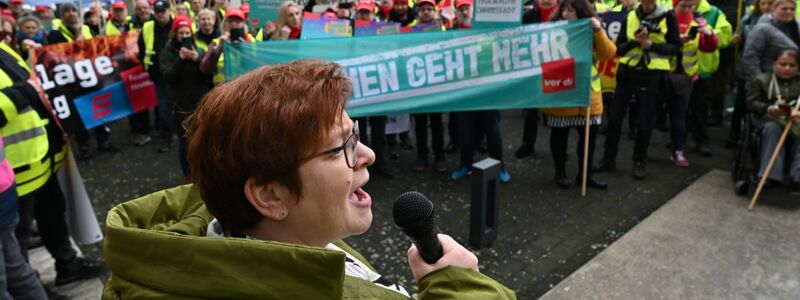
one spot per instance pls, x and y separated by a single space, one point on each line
413 213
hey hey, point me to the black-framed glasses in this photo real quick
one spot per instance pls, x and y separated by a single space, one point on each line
349 147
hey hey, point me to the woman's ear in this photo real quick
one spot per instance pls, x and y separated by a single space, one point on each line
269 199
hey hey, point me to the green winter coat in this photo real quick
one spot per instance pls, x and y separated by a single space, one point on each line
709 61
156 247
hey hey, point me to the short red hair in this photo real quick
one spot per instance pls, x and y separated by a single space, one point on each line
262 125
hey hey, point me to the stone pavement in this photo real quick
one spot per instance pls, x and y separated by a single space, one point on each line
703 244
545 233
41 260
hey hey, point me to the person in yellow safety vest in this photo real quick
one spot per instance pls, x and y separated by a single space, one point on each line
207 31
182 9
91 19
120 21
68 27
648 39
600 6
290 23
35 148
221 8
697 37
426 15
143 14
68 32
708 64
154 35
624 6
234 31
195 7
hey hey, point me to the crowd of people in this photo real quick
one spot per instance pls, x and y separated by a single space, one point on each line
677 60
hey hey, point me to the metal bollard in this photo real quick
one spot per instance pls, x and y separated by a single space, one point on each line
484 210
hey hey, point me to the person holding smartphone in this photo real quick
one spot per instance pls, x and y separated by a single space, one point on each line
696 37
180 65
234 30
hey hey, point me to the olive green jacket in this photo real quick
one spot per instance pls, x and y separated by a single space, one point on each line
157 248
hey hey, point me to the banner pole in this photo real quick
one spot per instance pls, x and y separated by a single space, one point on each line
775 154
585 173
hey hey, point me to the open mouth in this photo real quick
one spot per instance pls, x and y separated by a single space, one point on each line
360 198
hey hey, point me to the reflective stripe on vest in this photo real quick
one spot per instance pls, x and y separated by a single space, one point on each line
148 34
689 58
219 76
656 60
112 29
24 135
38 172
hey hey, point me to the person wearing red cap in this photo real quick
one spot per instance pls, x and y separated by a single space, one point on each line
180 65
91 18
119 22
234 30
44 13
17 9
463 14
539 13
384 10
365 10
401 14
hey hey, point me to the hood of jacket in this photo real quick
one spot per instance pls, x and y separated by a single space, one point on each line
156 247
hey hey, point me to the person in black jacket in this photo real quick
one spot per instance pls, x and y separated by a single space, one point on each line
162 25
400 13
540 12
643 70
180 65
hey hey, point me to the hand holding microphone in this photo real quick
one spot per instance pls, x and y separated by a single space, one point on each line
413 213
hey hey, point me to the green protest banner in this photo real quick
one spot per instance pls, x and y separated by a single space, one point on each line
262 11
538 65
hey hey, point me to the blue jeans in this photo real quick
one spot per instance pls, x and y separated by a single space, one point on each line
17 279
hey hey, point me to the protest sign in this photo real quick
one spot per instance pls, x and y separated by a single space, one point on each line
316 27
537 65
262 11
497 13
607 69
93 82
367 28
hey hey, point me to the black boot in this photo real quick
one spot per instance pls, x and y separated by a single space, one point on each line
592 182
79 268
606 165
561 179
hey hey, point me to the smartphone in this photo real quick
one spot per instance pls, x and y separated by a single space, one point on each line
693 31
236 34
187 43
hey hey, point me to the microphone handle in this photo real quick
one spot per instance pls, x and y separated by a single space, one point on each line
428 246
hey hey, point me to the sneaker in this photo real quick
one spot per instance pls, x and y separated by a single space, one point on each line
459 173
524 151
79 268
638 170
504 176
440 166
53 295
140 139
679 160
605 165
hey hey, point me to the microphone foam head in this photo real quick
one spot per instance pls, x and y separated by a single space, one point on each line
412 209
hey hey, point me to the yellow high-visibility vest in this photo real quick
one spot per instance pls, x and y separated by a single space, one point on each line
635 55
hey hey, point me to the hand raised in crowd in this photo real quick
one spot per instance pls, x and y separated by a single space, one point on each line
596 25
453 255
705 30
30 44
188 54
641 37
269 28
737 38
285 32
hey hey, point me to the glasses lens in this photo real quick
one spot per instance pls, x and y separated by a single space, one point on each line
352 150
